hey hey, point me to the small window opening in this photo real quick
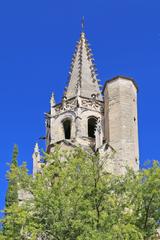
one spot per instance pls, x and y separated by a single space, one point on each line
67 128
92 122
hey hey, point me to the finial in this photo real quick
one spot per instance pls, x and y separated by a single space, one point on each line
36 160
36 148
82 24
52 100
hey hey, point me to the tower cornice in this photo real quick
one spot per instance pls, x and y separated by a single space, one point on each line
120 77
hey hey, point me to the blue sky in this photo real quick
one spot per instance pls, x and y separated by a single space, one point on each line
37 39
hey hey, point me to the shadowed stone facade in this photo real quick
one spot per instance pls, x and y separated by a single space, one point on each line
103 121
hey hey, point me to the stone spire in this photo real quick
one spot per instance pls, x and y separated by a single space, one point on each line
52 100
82 76
52 104
36 160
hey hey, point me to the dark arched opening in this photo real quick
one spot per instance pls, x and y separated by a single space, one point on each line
67 128
92 122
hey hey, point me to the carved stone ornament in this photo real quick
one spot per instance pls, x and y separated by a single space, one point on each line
93 104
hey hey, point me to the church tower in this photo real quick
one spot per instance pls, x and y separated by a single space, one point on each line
102 121
73 121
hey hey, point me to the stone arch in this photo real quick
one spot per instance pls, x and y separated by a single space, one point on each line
57 126
85 116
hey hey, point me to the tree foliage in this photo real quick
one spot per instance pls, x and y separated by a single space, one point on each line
12 191
73 198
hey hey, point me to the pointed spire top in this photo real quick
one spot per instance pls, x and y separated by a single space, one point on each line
36 160
82 24
52 100
83 74
36 148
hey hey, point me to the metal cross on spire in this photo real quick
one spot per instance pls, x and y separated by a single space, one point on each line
82 24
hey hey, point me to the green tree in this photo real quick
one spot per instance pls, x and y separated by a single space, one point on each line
16 213
12 192
73 198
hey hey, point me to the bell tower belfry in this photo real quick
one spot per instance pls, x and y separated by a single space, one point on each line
102 121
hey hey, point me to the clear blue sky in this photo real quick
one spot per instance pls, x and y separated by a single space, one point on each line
37 39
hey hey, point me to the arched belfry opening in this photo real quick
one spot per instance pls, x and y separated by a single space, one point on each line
92 122
67 128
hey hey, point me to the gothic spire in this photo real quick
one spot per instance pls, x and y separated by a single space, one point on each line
82 76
